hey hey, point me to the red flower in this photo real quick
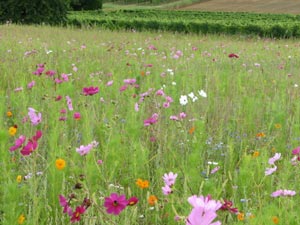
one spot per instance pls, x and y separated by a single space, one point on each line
76 215
232 55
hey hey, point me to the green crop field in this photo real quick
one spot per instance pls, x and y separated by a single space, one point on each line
121 127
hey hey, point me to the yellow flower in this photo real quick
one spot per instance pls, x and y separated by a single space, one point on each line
152 200
275 219
60 164
277 125
142 183
9 114
19 178
21 219
255 154
12 130
240 216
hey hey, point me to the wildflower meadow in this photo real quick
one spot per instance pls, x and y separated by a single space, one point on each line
127 128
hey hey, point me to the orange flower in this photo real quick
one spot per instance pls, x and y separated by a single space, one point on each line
240 216
60 164
142 73
191 131
255 154
9 114
21 219
142 183
152 200
260 135
275 219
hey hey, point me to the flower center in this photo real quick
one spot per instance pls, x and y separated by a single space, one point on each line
115 203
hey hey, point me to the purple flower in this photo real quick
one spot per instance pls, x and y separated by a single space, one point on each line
34 117
170 178
90 90
115 204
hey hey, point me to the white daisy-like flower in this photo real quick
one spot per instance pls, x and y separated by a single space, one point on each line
202 93
183 100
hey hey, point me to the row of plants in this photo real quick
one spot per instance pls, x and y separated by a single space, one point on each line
266 25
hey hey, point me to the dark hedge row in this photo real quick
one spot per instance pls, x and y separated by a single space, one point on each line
264 25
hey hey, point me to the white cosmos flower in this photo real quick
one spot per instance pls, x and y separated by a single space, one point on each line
202 93
183 100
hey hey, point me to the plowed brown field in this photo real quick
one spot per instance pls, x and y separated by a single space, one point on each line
260 6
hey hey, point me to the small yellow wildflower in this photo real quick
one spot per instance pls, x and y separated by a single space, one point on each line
12 130
60 164
240 216
19 178
255 154
277 125
9 114
21 219
275 219
152 200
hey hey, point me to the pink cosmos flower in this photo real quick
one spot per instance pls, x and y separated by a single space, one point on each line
129 81
31 84
160 92
90 90
18 143
69 103
271 170
83 150
170 178
174 117
199 216
65 77
115 203
206 203
182 115
18 89
58 98
29 148
151 120
50 73
34 117
166 104
167 190
109 83
169 99
274 158
214 170
284 192
296 151
39 70
228 205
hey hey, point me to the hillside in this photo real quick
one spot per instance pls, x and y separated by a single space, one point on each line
260 6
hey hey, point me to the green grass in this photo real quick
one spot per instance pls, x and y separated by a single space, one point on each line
248 95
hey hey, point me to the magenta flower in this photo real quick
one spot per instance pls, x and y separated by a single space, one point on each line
170 178
151 120
296 151
65 77
64 203
90 90
228 205
29 148
182 115
160 92
77 116
39 70
18 143
34 117
133 201
115 204
50 73
77 213
58 98
123 88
